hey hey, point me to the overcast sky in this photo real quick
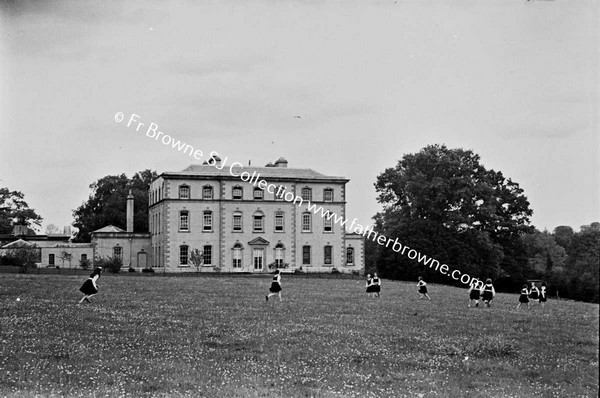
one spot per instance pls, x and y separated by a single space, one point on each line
515 81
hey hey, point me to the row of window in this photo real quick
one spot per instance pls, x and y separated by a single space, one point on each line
237 192
52 258
258 219
258 256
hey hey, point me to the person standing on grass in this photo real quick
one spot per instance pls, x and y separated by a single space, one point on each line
534 292
422 285
474 294
376 285
487 292
524 297
369 285
275 286
543 298
90 287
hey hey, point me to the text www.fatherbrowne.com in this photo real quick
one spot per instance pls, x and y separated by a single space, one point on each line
236 169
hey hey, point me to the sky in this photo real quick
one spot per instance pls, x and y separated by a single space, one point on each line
515 81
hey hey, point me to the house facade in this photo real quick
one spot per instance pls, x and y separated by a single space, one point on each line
241 225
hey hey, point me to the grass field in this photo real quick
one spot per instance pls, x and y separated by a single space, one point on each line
217 337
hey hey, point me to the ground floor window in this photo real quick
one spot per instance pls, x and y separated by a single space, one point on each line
207 254
51 259
183 255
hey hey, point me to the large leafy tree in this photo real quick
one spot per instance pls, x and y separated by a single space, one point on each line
15 211
107 204
446 204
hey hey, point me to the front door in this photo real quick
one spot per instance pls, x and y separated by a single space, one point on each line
258 256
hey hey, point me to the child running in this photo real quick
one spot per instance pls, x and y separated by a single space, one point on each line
275 286
543 298
422 285
474 294
376 285
89 287
524 297
487 293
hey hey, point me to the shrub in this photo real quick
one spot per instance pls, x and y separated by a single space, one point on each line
217 269
356 272
335 271
112 264
131 269
148 270
85 263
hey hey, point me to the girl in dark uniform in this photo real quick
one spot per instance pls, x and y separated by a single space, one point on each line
89 287
376 285
543 294
474 294
534 293
487 292
369 285
524 297
275 286
422 285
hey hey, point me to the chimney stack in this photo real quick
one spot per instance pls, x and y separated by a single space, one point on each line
130 212
281 162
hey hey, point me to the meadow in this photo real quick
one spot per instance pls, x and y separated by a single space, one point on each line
157 336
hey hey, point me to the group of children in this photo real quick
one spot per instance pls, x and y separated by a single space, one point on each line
486 293
534 294
373 286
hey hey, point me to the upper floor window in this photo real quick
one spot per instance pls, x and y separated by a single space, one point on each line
183 255
328 195
207 221
350 256
237 221
184 221
207 192
237 192
327 222
258 223
279 221
306 222
279 192
258 194
184 192
118 252
306 193
327 255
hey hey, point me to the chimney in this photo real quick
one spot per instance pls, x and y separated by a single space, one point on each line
130 212
214 161
281 162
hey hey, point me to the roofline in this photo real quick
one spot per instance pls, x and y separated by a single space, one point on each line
198 176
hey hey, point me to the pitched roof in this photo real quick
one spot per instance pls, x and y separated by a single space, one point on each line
18 243
202 170
109 228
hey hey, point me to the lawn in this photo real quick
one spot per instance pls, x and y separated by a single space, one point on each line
150 335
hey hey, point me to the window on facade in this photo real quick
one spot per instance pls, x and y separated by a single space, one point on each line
207 255
51 259
328 195
207 221
258 223
184 192
237 222
306 194
183 255
258 194
279 250
279 192
184 221
237 192
207 192
118 252
84 257
306 222
327 222
327 255
237 256
350 256
279 221
305 255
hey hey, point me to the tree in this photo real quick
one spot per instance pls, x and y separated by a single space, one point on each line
449 206
107 204
52 229
65 256
544 254
197 258
15 211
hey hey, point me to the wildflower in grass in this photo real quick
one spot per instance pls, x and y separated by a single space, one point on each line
275 288
488 292
422 285
524 297
90 287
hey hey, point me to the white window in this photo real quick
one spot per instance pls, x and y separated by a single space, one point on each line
207 255
207 192
183 255
258 194
279 221
118 252
279 192
258 223
306 194
184 221
237 256
328 195
306 222
327 252
350 256
279 256
327 222
184 192
237 222
237 192
305 255
207 221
